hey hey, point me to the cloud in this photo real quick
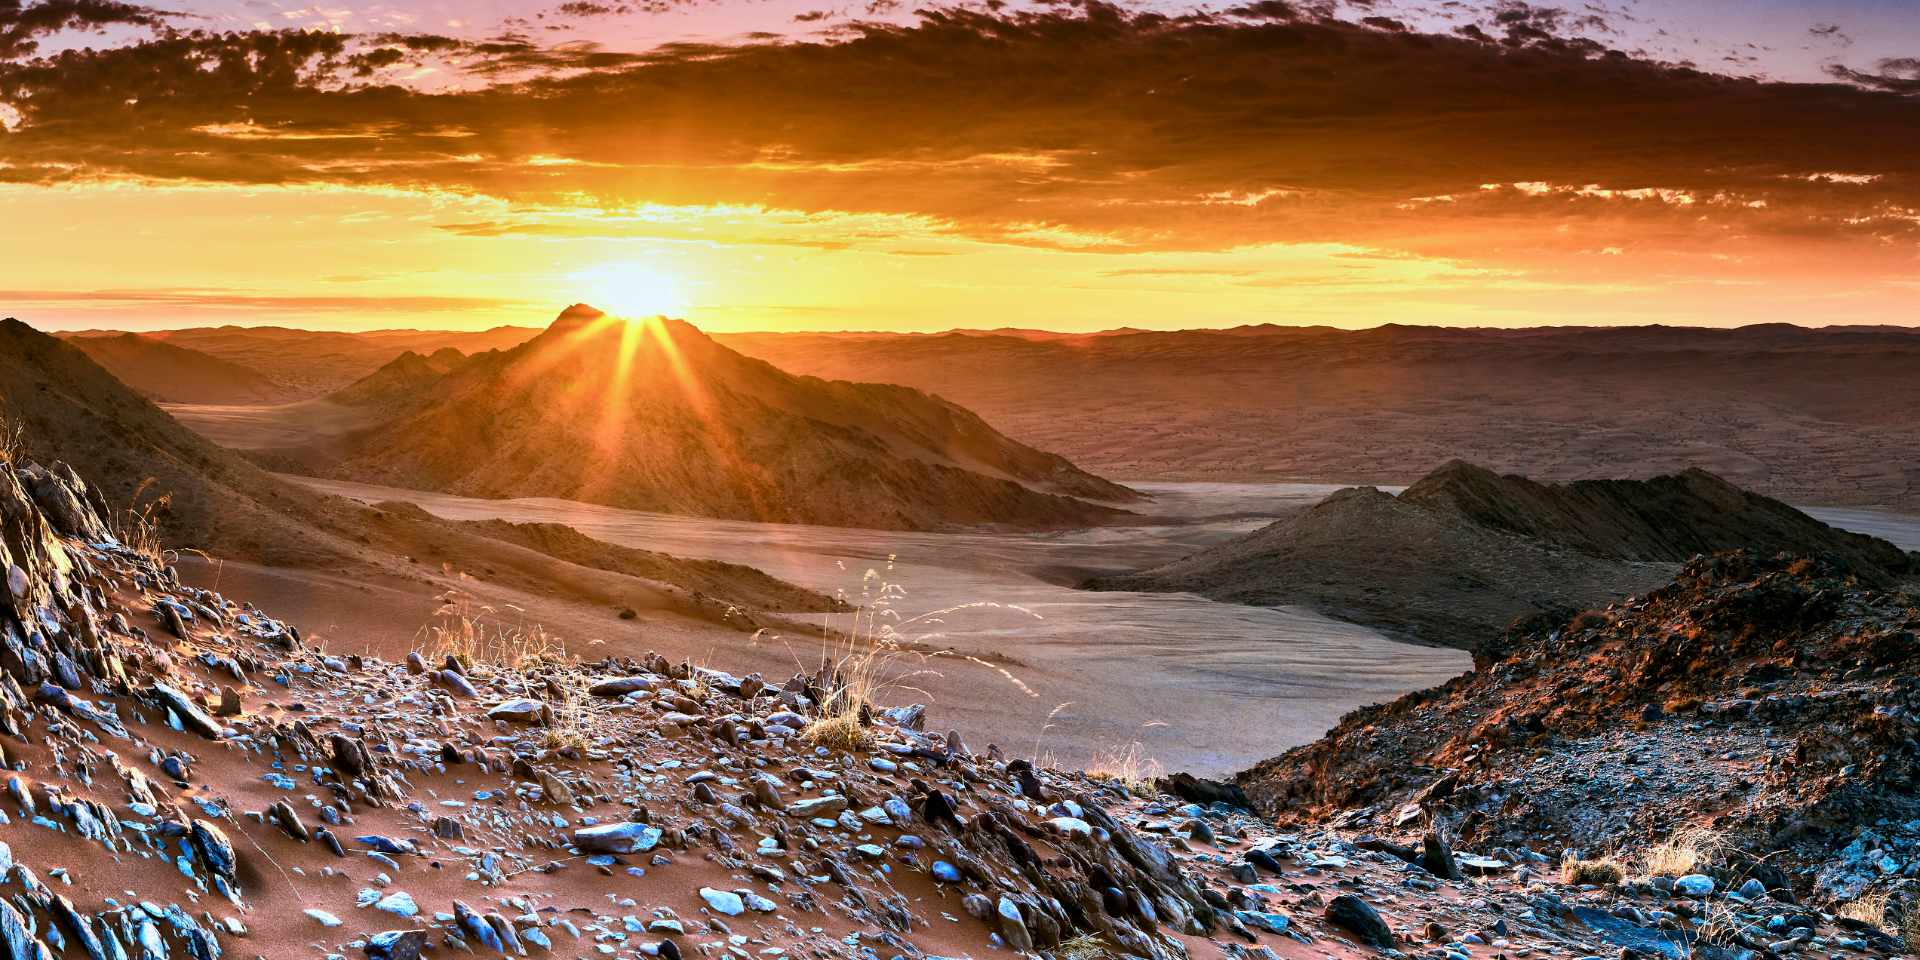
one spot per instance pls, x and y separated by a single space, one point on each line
1893 74
22 25
1089 127
244 300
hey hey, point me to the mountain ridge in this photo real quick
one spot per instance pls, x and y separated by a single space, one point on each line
657 416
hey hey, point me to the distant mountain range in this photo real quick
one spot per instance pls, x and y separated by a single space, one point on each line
657 416
1456 557
1809 415
299 364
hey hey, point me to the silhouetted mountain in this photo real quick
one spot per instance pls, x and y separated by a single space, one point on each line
204 497
318 362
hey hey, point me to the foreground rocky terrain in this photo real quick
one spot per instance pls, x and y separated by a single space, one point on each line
1462 552
191 778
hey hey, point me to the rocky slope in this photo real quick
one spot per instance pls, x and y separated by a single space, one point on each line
1769 700
656 416
1415 573
167 373
1669 518
71 409
195 781
1464 551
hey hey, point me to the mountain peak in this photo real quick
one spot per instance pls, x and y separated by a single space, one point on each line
576 315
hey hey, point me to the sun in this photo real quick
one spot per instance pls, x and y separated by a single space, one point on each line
628 289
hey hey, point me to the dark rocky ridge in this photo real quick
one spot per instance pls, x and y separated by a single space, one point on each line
401 383
1463 552
1670 518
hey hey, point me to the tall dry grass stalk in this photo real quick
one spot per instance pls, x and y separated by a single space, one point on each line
475 635
137 527
1129 766
13 438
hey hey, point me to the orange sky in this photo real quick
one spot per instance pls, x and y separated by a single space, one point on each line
1072 168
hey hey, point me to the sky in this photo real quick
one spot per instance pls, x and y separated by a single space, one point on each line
874 165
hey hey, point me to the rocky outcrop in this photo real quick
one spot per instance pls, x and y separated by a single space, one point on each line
1770 699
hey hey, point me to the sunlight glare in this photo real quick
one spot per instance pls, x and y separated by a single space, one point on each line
629 289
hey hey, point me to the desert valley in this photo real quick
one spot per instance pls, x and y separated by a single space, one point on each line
1089 480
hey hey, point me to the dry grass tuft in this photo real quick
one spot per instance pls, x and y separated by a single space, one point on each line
1910 927
1128 766
572 726
1602 872
840 731
1689 850
1871 908
1087 946
871 657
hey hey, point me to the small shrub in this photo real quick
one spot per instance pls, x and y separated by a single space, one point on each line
572 722
138 526
1603 872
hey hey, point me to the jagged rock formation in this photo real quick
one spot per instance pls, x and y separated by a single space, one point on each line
1773 699
1463 552
656 416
